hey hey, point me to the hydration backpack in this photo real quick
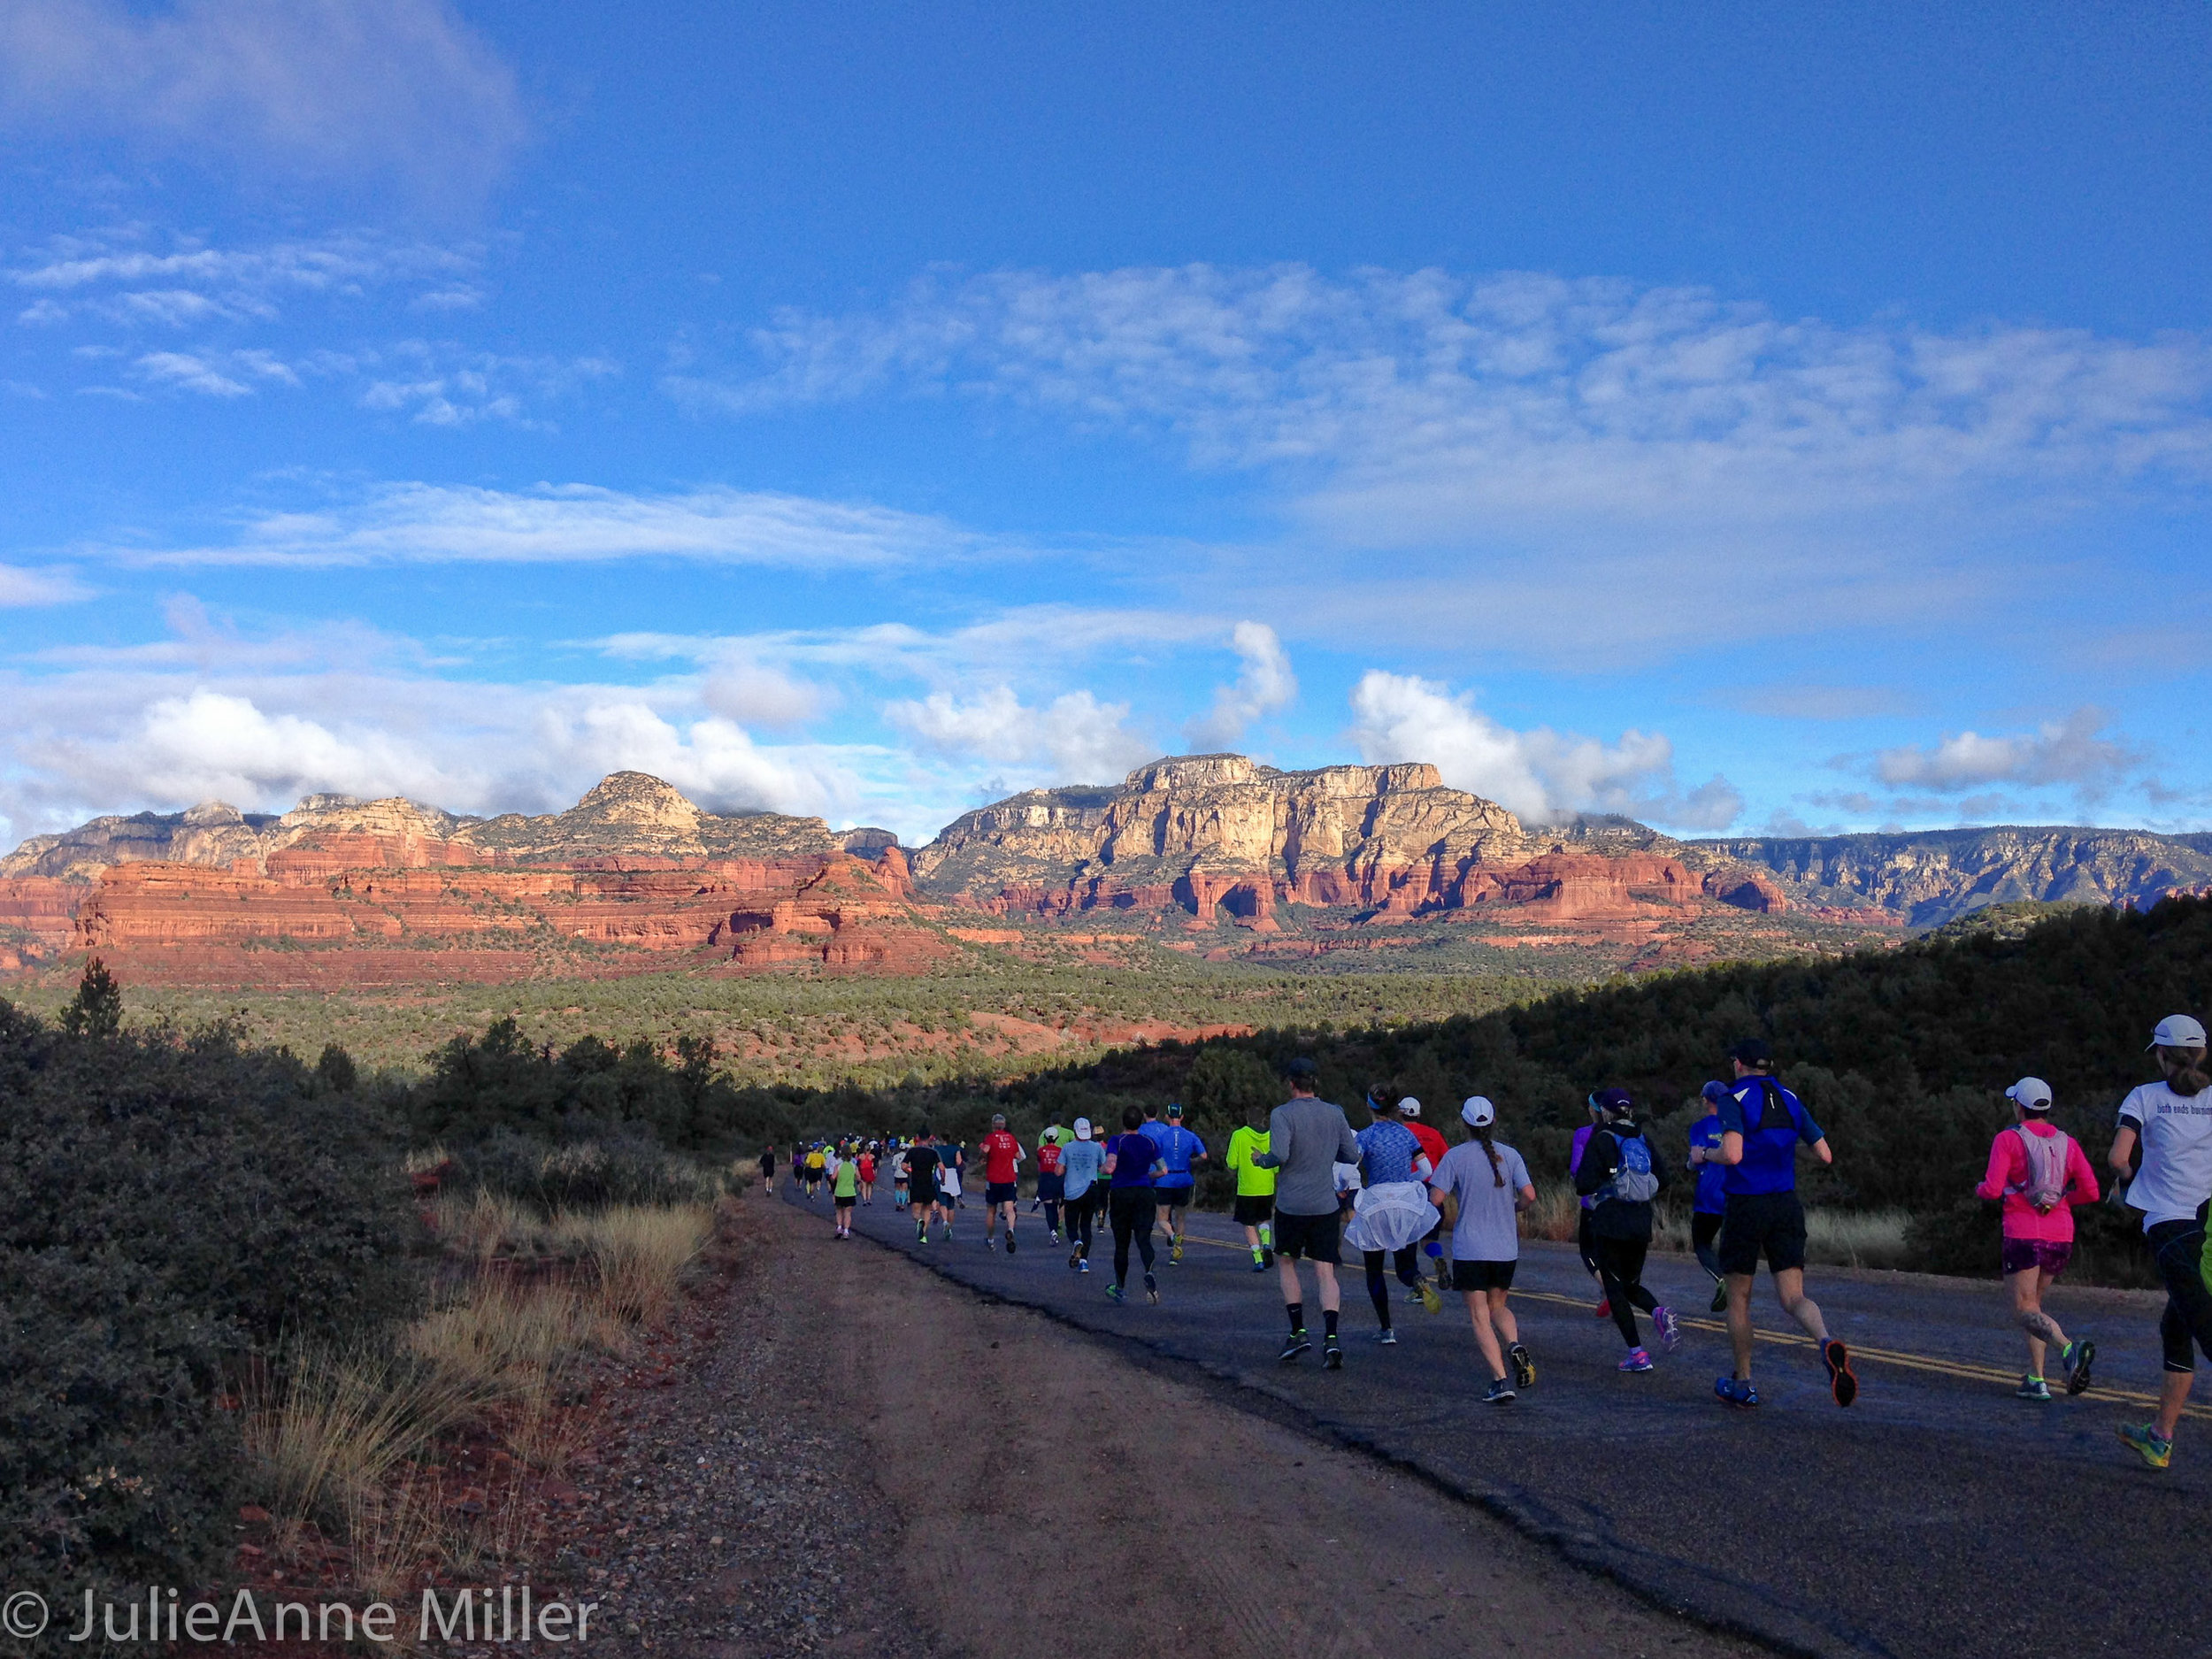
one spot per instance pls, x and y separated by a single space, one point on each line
2046 1167
1633 1183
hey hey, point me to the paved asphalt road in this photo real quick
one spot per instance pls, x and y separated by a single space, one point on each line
1938 1515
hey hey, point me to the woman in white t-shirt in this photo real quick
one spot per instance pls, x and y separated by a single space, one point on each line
2173 1121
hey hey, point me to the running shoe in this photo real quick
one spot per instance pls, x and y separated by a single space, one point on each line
1638 1359
1259 1264
1294 1345
1523 1367
1055 1235
2143 1437
1604 1310
1010 1244
1084 1266
921 1235
2078 1356
1720 1297
1152 1289
1737 1391
1331 1355
1175 1255
1267 1258
1841 1383
2033 1388
1500 1393
1431 1302
1413 1298
989 1243
1075 1258
1114 1292
1668 1326
1387 1337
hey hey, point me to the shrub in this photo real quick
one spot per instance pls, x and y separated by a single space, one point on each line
170 1206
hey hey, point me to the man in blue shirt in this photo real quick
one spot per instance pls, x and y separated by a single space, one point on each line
1710 1201
1761 1125
1180 1149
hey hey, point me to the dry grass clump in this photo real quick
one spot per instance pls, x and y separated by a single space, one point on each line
334 1430
638 1252
1833 1238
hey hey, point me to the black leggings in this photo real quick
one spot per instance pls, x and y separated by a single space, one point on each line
1621 1271
1586 1242
2178 1249
1378 1287
1082 1215
1703 1230
1133 1210
1052 1214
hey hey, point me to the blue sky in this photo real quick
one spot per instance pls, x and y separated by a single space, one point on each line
1744 419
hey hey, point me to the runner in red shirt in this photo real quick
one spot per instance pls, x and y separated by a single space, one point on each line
1431 1143
867 1161
1001 1163
1049 1180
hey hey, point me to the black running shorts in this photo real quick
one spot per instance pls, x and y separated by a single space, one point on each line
998 1192
1173 1197
1311 1237
1772 1223
1254 1212
1483 1275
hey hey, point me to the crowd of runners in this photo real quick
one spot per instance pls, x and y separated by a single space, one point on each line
1439 1218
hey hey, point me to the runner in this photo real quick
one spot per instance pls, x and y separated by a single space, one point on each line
1180 1149
1431 1143
1488 1186
1049 1184
2039 1173
2173 1121
1255 1189
1307 1137
1761 1124
921 1180
898 1176
1391 1212
1082 1161
1001 1172
1054 1134
952 1164
1132 1163
844 1188
1710 1201
768 1170
1618 1172
867 1161
817 1170
1584 1244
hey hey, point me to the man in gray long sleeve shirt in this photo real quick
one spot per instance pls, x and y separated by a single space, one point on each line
1306 1138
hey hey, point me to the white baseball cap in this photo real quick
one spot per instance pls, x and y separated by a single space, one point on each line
1477 1113
2030 1094
1082 1129
1409 1107
2178 1031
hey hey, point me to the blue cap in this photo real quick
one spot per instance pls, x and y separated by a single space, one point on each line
1717 1092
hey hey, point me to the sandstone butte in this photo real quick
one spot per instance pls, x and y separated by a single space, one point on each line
339 891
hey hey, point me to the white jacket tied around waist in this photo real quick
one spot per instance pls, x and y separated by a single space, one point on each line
1390 1216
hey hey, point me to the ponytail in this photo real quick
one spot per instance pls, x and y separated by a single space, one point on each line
1497 1170
2185 1069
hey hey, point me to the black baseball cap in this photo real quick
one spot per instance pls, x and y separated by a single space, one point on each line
1752 1051
1300 1069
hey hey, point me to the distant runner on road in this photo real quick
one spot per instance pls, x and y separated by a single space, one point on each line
867 1161
1179 1151
1710 1203
1082 1162
1761 1124
768 1170
2039 1173
2172 1120
1433 1144
1621 1175
898 1176
952 1164
1307 1137
1132 1163
1256 1188
1489 1186
1584 1245
1392 1213
1050 1184
921 1180
1001 1170
845 1188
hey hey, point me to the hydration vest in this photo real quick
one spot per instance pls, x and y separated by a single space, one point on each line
2045 1183
1634 1182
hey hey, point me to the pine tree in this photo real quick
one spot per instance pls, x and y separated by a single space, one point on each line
97 1010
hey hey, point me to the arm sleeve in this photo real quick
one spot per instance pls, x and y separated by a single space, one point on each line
2003 1152
1598 1164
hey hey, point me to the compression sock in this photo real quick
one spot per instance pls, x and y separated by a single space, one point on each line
1328 1322
1297 1312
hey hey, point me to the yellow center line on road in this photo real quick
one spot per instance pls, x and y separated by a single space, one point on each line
1962 1369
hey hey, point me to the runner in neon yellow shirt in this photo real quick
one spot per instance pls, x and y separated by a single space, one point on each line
1255 1189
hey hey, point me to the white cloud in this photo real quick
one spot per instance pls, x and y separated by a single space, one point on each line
113 275
1075 738
2073 752
394 91
1541 775
213 375
21 586
1264 685
569 523
753 693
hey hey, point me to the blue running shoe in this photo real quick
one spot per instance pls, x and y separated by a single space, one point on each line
1668 1326
2142 1438
1114 1291
2078 1356
1736 1391
1638 1359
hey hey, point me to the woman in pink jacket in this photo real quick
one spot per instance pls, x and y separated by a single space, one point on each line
2039 1173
